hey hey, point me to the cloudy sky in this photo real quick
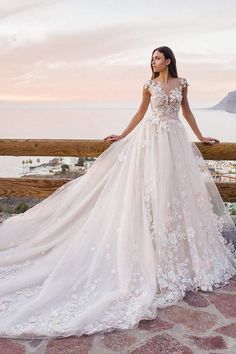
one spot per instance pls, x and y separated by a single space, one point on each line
101 50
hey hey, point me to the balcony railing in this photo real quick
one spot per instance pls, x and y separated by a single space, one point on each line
43 187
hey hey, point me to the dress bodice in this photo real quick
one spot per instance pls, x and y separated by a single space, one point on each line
165 104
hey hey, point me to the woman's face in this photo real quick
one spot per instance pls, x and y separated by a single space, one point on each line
159 61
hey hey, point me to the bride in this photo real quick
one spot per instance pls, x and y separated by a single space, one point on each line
142 227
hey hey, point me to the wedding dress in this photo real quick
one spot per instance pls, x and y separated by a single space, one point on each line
145 224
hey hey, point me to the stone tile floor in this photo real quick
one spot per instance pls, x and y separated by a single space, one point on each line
201 323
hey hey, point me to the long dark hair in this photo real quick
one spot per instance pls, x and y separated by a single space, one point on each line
168 54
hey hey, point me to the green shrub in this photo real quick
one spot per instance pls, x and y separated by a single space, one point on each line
233 211
9 210
21 208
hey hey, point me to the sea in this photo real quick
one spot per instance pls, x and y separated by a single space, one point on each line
89 120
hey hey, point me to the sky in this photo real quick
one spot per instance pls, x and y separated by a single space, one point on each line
101 50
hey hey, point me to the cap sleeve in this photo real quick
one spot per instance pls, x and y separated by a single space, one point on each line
147 84
184 82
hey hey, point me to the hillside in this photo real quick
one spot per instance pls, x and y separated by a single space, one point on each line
228 103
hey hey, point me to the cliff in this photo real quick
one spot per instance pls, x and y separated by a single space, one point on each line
227 104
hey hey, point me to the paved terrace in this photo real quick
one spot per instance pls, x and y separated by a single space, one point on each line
201 323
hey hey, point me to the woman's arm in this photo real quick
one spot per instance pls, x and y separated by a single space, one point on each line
136 118
188 115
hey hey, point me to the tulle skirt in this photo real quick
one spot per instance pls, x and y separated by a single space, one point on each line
144 225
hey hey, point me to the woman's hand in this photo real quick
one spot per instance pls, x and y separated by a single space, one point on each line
114 137
208 140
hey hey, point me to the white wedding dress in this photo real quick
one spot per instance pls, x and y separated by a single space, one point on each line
144 225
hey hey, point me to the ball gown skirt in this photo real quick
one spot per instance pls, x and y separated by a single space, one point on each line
145 224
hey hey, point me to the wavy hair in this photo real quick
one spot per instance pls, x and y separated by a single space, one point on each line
168 54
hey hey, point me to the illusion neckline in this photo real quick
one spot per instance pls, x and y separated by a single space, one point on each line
173 89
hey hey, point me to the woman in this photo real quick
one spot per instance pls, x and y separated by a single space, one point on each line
144 225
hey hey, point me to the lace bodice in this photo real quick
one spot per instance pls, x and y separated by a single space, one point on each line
165 104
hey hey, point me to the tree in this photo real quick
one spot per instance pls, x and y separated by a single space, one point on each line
65 167
30 161
81 161
23 164
38 161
